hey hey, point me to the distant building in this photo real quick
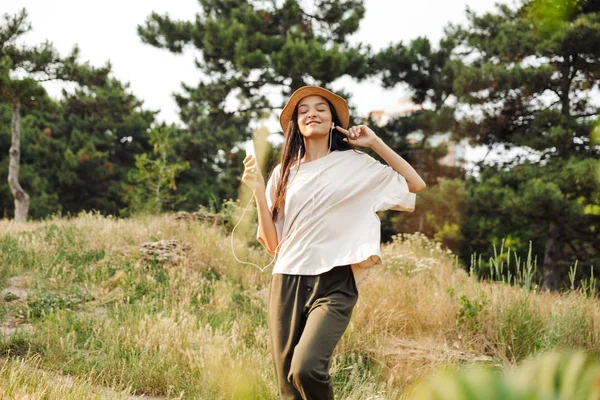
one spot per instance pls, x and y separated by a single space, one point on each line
402 108
405 107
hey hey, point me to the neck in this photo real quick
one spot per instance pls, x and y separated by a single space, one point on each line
315 148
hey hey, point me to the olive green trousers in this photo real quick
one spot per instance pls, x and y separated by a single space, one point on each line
307 315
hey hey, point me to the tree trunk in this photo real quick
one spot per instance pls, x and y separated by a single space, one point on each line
21 198
552 256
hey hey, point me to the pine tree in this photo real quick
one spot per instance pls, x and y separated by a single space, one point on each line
250 49
527 74
41 63
427 73
100 132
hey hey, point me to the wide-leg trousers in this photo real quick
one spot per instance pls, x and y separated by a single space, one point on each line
307 315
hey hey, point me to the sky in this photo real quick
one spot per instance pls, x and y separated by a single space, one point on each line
107 31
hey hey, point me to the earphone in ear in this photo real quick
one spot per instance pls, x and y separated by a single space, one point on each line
332 125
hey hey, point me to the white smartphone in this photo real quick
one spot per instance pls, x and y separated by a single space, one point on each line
250 151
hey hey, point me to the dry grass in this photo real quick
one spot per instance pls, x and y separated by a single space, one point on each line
23 379
102 315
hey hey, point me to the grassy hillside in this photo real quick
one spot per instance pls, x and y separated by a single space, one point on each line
87 312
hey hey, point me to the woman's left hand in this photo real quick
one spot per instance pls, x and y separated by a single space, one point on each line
359 135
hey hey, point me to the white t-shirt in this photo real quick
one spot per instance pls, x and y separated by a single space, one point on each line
349 187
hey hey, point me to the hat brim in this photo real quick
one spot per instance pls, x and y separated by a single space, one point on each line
340 105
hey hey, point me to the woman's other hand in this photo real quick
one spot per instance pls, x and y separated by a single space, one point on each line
252 175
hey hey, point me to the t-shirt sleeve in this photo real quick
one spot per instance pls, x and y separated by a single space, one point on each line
270 191
389 188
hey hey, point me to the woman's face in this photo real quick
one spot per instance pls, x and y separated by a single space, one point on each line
314 116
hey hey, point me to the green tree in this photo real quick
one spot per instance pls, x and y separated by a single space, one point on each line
37 161
428 74
527 74
248 50
35 65
77 151
153 184
96 136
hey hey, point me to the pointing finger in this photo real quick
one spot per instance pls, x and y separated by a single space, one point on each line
339 128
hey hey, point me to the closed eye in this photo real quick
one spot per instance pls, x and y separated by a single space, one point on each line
304 111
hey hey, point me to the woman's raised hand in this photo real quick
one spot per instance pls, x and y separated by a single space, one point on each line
359 135
252 175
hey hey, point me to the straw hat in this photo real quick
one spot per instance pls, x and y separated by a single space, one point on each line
340 105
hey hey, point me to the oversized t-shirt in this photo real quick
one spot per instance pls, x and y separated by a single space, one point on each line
329 215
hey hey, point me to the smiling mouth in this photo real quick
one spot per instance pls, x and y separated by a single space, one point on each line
312 123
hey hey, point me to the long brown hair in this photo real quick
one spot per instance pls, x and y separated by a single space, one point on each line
293 150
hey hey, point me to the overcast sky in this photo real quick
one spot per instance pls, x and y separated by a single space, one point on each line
107 31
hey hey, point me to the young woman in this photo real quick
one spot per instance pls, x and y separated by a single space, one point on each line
317 216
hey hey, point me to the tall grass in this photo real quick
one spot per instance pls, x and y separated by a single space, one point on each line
101 314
